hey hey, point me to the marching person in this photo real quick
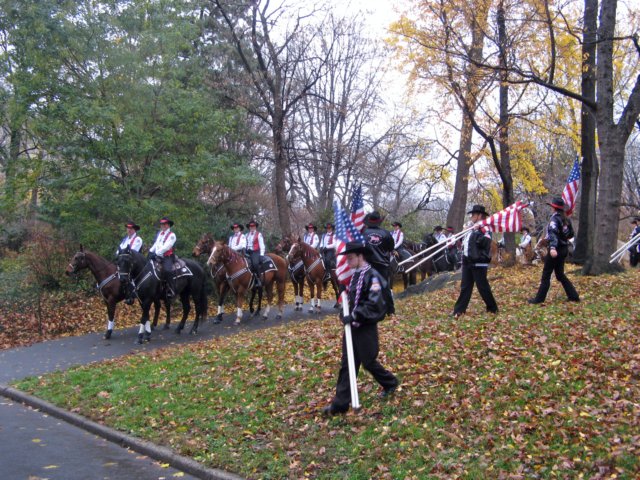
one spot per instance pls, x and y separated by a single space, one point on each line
380 243
163 248
634 250
255 250
131 239
311 237
475 263
367 309
559 232
237 241
439 235
328 247
398 240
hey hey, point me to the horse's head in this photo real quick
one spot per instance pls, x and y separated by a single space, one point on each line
283 246
124 262
429 240
204 245
77 263
219 254
295 253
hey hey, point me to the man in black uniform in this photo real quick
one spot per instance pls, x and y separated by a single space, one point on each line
634 250
367 309
559 231
475 263
380 243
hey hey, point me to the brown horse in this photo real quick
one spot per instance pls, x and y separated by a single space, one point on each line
240 278
218 274
314 270
107 283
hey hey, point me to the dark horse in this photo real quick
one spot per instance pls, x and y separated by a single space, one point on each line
240 278
189 282
107 282
395 268
441 261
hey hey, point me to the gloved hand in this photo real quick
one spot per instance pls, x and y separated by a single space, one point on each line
341 287
151 256
346 319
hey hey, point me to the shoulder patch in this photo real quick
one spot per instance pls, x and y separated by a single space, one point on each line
375 285
553 225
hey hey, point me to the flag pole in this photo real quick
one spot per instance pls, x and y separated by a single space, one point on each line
355 401
456 237
630 243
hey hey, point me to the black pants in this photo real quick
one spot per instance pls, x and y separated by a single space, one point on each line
474 275
329 257
385 273
555 265
167 270
254 261
365 353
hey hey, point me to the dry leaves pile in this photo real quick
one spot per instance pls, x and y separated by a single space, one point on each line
535 392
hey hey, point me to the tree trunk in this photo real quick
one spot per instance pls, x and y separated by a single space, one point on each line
589 168
280 176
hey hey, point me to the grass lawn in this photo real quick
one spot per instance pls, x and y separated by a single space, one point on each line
547 391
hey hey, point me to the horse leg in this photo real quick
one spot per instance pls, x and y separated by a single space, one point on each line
300 298
186 308
312 300
281 286
336 289
144 331
201 303
268 287
318 295
156 313
239 297
167 309
111 314
222 293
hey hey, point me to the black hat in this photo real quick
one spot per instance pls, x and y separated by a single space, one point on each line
133 225
437 228
311 225
166 220
354 247
396 223
525 228
478 209
557 203
237 225
635 220
253 222
329 225
373 219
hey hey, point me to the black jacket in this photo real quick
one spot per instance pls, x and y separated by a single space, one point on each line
479 251
380 244
371 307
559 232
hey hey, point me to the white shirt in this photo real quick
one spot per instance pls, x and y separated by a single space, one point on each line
250 237
164 242
133 241
526 240
329 241
312 239
440 237
398 238
237 242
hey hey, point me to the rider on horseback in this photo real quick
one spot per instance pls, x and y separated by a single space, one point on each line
134 242
328 246
311 237
255 250
163 248
237 241
399 247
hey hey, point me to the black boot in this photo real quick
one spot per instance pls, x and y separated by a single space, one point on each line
257 283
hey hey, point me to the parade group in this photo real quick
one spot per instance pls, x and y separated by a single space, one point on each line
369 292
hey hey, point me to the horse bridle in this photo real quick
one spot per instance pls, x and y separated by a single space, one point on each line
74 267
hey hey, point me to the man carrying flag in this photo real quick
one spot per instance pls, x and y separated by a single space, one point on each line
475 263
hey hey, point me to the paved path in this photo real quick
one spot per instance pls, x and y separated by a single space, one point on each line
37 446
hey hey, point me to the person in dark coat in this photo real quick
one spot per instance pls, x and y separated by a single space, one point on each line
367 308
380 243
475 263
559 232
634 250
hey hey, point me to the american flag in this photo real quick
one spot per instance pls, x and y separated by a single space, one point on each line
357 208
507 220
570 191
346 231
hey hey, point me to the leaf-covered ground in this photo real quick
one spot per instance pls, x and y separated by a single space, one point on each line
535 392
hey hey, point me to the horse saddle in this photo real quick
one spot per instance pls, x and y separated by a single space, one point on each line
179 267
266 265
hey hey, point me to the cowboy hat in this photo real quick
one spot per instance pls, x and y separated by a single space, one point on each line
329 225
557 203
133 225
373 219
437 228
478 209
311 225
166 220
237 225
253 222
396 223
355 247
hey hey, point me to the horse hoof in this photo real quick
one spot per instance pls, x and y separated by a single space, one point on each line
217 319
237 322
264 317
166 327
193 332
278 317
107 335
140 340
147 336
336 305
178 330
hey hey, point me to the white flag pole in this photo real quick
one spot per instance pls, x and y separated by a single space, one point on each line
630 243
617 256
355 401
457 236
442 246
